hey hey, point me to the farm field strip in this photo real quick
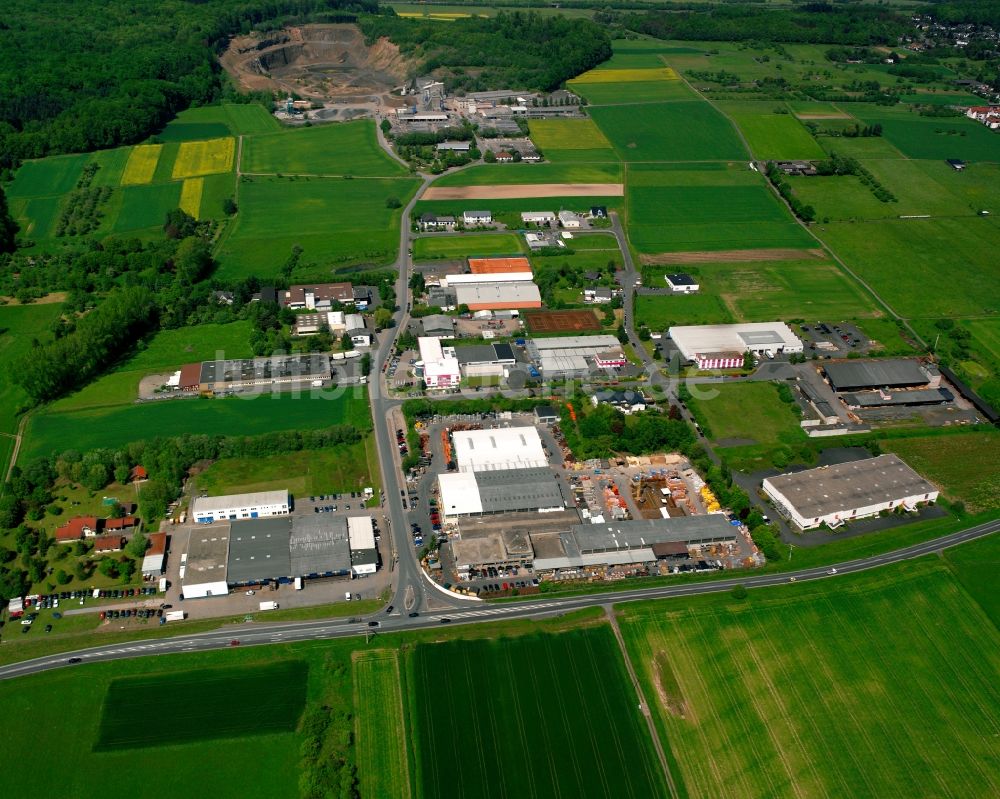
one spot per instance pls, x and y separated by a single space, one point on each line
519 191
627 75
195 158
726 671
141 164
381 727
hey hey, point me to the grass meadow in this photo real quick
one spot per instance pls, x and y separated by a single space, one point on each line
335 470
381 729
215 121
841 688
430 248
955 464
203 704
747 411
50 432
337 222
345 148
900 258
682 131
933 137
773 136
534 716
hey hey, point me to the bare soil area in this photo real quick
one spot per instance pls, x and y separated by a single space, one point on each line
318 62
523 190
729 256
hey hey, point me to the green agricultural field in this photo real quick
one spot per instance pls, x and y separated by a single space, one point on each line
534 716
956 464
249 118
870 147
810 679
900 258
842 198
111 166
632 92
773 136
682 131
144 208
747 411
383 768
19 324
976 565
506 174
431 248
337 222
202 705
336 470
205 122
46 177
215 189
567 134
166 352
37 216
660 311
345 148
933 137
49 432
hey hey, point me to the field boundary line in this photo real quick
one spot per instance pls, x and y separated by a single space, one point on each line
646 713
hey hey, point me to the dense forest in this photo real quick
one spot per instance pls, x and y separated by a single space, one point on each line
517 50
80 75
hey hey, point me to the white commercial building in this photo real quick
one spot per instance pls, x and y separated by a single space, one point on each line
203 569
843 492
498 296
364 556
723 346
439 365
538 217
473 218
498 448
681 283
206 510
568 355
490 277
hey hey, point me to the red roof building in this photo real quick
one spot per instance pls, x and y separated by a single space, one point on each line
108 543
190 378
119 524
139 474
77 528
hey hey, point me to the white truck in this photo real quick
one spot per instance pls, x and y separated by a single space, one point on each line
298 583
163 585
175 615
268 605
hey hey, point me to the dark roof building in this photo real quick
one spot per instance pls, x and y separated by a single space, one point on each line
258 550
223 375
889 373
546 414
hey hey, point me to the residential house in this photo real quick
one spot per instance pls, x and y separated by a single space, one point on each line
627 402
568 219
476 218
429 221
598 294
77 528
108 543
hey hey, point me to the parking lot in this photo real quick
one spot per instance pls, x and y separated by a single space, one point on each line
833 340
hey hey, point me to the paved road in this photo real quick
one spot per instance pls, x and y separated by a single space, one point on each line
262 634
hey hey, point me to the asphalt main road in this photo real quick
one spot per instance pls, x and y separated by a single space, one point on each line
400 621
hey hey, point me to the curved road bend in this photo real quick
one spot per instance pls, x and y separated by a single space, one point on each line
397 621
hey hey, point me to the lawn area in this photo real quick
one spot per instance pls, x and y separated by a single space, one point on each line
772 136
383 748
747 411
337 222
165 352
682 131
51 432
336 470
344 148
506 174
19 324
956 464
202 705
555 715
976 565
900 258
431 248
808 678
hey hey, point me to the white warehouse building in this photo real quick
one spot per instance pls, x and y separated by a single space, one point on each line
205 510
843 492
723 346
498 448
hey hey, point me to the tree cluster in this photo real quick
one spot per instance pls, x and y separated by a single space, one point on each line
802 210
599 432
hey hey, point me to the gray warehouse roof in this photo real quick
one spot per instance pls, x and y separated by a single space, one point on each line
820 492
258 550
914 396
519 489
640 533
206 554
280 368
849 375
319 545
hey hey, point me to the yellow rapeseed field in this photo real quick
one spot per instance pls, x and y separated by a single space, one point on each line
141 164
191 196
626 75
207 157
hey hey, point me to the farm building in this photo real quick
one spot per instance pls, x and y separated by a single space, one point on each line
485 360
319 296
364 555
681 283
874 374
498 448
574 355
500 491
626 542
206 510
474 218
498 266
723 346
439 367
219 376
152 561
835 494
499 296
203 566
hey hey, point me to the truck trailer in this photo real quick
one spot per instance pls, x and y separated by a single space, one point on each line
175 615
268 605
